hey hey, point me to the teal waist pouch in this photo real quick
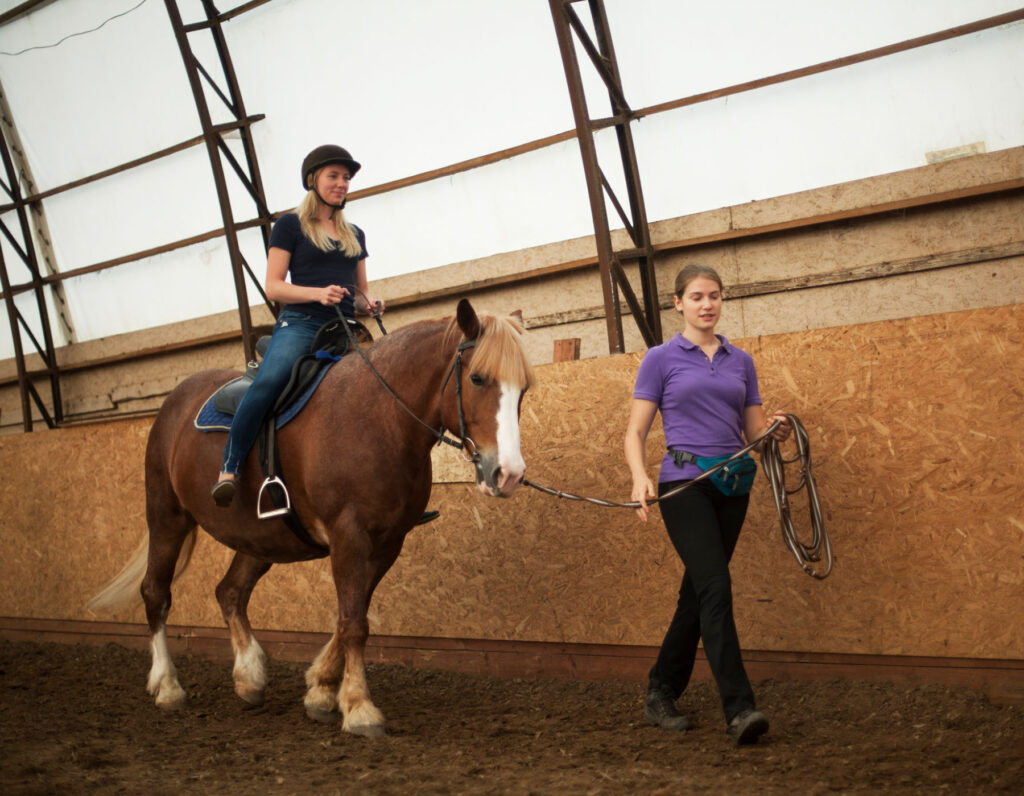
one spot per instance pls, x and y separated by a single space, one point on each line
734 479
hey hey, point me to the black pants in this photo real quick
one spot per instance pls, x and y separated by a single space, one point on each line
704 526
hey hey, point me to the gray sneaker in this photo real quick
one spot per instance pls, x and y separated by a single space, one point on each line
748 726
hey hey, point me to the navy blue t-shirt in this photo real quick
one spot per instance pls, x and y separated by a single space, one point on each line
311 267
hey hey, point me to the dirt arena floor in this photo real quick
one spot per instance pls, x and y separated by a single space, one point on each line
76 719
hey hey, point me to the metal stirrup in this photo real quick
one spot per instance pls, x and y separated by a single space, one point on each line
286 509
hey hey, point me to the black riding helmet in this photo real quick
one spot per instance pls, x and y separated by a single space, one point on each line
323 156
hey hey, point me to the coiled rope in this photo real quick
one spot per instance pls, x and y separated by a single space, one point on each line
775 470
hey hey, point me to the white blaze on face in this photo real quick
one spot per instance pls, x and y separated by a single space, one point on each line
510 457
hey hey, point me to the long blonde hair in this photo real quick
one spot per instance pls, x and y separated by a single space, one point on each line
309 221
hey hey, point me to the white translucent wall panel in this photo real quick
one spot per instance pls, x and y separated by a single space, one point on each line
6 340
187 283
868 119
538 198
171 199
96 100
407 86
19 274
668 49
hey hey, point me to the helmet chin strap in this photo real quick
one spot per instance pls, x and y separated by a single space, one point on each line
324 201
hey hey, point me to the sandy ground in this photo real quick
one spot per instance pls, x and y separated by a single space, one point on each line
76 719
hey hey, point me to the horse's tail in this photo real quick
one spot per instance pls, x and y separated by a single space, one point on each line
123 591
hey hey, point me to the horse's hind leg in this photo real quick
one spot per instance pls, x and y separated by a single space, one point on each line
168 531
233 594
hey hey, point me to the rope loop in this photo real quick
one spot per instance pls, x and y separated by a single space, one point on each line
775 468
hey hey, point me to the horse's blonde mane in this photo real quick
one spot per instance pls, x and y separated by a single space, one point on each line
499 353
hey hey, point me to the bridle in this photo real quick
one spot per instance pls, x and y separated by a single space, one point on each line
456 368
465 443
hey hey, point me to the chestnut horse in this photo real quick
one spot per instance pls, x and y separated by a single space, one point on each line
357 464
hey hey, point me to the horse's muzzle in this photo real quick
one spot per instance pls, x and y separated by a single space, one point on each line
497 480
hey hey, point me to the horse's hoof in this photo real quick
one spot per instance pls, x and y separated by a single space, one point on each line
322 716
174 702
367 730
252 696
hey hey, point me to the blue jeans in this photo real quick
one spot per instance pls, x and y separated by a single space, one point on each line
704 526
293 335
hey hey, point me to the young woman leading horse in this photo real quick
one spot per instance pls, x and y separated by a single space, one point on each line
466 374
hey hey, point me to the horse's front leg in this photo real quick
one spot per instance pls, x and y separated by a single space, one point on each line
337 681
337 678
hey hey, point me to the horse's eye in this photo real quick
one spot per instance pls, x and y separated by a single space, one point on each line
477 380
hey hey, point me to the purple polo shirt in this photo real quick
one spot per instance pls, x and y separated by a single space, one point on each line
701 400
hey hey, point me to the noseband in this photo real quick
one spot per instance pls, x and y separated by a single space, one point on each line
466 441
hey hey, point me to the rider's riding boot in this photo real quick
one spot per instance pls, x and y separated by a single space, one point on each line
428 516
660 710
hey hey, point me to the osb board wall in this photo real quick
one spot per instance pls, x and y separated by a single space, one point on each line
916 441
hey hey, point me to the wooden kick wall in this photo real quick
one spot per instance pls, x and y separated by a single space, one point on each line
914 427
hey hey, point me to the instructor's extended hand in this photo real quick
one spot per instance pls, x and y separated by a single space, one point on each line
642 490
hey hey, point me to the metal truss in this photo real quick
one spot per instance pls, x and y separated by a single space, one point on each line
26 245
610 261
15 170
218 151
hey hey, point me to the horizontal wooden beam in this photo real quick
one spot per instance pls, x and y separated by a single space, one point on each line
131 164
882 270
723 236
22 9
838 63
1001 680
913 265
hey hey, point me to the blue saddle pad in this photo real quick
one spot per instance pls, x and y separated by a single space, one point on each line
210 418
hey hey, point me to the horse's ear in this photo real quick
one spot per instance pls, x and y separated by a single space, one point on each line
467 320
518 315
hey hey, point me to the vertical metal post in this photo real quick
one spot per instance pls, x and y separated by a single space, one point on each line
613 277
213 142
639 230
254 182
19 354
581 116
